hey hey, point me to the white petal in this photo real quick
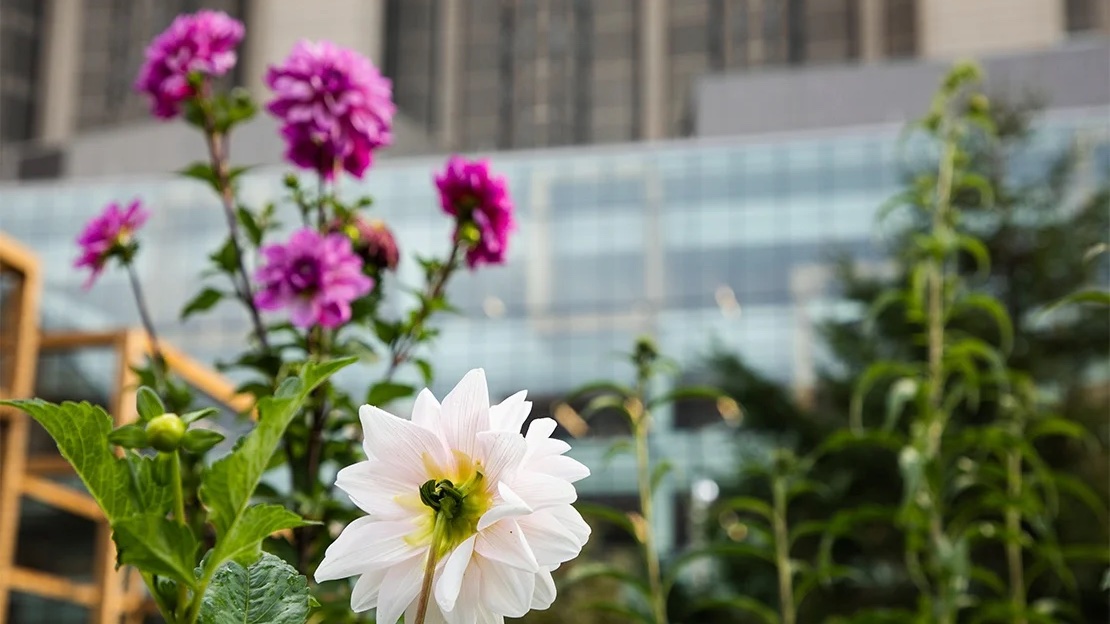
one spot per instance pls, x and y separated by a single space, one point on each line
510 506
366 544
426 411
504 542
399 589
365 594
500 453
543 447
541 490
544 594
451 578
468 608
553 535
432 616
506 590
510 414
400 443
466 412
373 486
541 428
559 466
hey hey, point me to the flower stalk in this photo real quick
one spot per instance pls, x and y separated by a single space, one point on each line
782 550
158 365
1013 542
641 427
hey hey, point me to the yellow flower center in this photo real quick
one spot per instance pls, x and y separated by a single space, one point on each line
449 504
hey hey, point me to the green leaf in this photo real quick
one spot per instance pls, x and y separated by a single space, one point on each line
425 370
203 301
226 257
687 394
250 224
590 571
627 613
977 250
872 376
385 392
201 171
901 392
191 417
270 591
148 403
227 486
748 504
609 515
200 441
750 605
662 469
122 487
994 309
714 550
258 522
156 544
616 448
131 436
1091 296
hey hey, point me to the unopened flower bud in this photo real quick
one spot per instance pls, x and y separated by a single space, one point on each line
372 240
469 233
978 103
164 432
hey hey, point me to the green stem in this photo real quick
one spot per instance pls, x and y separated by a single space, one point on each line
425 597
1013 542
935 417
782 552
643 474
183 608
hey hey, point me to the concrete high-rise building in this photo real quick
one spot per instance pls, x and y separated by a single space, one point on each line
481 74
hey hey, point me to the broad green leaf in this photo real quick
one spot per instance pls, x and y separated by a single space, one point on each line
747 604
227 486
122 487
201 171
155 544
203 301
256 524
383 393
148 403
269 591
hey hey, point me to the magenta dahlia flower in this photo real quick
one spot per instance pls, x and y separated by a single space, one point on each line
110 234
335 106
199 43
479 201
315 276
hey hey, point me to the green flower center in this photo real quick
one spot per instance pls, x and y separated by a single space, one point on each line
452 504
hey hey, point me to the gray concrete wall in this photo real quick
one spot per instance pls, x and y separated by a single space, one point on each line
1072 76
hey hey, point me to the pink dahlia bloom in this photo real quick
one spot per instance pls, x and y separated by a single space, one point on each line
470 192
316 277
335 106
108 235
203 43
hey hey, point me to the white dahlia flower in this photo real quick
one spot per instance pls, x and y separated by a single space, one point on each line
458 492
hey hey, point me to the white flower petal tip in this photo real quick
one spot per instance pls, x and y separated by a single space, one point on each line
462 479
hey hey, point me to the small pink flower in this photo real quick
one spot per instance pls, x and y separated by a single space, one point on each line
477 198
315 276
109 234
335 106
203 42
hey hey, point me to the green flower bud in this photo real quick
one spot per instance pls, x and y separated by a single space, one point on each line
164 432
469 233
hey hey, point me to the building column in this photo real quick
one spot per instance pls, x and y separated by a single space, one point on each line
449 62
274 26
872 29
653 69
59 71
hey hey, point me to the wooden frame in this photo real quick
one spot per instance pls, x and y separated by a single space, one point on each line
111 595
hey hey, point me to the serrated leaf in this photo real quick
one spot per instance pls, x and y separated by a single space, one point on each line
204 300
122 487
385 392
148 404
257 523
158 545
269 591
227 485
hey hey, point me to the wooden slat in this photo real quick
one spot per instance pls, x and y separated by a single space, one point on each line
61 497
51 586
48 465
67 340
